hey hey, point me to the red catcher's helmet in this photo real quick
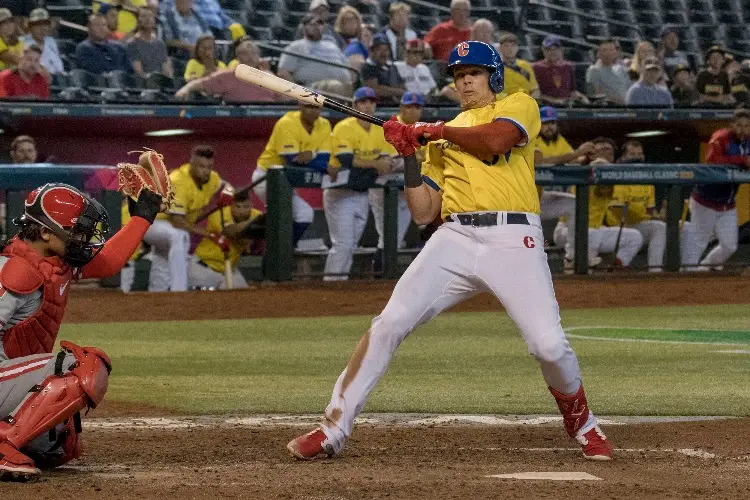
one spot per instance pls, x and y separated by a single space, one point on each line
74 217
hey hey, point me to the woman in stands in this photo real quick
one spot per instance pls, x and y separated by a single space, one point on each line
204 61
643 51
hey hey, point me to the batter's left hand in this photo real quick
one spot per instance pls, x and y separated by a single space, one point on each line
395 134
420 133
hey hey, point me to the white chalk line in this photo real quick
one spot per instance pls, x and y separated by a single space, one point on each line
397 420
643 341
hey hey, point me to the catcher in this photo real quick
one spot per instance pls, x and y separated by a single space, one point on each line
61 239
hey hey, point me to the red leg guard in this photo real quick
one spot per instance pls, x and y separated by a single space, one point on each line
58 397
574 409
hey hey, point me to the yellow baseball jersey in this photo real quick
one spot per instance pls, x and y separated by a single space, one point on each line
16 48
557 147
519 78
188 197
209 252
194 69
290 137
507 183
350 137
641 199
600 198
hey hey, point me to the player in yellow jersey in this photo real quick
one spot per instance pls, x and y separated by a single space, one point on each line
360 154
479 174
195 183
228 232
300 138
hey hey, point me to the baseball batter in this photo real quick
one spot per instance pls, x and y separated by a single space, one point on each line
479 174
195 184
712 206
361 150
300 138
41 394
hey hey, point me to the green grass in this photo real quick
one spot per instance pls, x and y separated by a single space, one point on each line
458 363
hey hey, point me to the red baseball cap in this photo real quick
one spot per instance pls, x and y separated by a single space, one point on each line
415 44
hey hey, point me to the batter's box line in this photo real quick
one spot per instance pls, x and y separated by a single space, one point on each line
688 452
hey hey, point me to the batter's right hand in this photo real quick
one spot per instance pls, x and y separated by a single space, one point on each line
396 134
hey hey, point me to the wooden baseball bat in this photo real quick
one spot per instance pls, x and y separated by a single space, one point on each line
227 263
298 92
623 218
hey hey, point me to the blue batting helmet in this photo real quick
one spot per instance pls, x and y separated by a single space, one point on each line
473 53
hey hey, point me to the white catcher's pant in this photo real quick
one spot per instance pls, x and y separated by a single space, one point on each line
376 199
301 210
456 263
554 205
204 277
704 222
169 257
346 214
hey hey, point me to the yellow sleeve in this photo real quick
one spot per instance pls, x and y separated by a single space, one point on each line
387 148
283 139
182 195
233 64
341 143
193 70
651 197
522 111
326 143
221 65
432 171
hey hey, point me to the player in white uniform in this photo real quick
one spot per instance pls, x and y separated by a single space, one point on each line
479 175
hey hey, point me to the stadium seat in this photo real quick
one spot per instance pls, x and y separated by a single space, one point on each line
125 81
157 81
539 13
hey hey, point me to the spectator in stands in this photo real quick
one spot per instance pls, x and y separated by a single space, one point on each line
643 51
247 52
683 89
26 80
308 72
110 13
125 19
208 10
398 31
380 74
607 77
348 26
322 10
648 91
23 150
482 30
39 35
10 46
731 66
98 55
670 56
225 85
519 75
443 37
555 76
147 53
358 50
741 85
182 26
712 81
204 61
415 74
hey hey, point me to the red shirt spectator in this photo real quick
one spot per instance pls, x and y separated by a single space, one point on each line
443 37
27 79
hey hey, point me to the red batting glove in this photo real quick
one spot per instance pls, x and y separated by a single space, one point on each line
420 133
221 240
396 134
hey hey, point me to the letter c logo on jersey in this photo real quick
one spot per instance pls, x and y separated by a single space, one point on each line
528 242
462 49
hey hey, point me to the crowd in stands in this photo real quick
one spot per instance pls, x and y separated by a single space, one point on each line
134 47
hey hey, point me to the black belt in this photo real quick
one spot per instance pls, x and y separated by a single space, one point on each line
201 263
488 219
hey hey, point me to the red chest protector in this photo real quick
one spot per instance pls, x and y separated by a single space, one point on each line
24 272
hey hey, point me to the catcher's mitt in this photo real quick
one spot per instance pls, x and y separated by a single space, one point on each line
150 173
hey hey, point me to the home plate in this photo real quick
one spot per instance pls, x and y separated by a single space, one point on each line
549 476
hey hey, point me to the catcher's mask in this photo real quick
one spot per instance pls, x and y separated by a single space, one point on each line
74 217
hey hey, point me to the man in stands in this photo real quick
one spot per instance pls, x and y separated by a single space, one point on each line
555 76
98 55
607 76
647 91
671 57
414 71
380 74
443 37
713 81
398 31
23 149
27 79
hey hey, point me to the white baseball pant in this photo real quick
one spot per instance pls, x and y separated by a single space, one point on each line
301 210
202 276
554 205
654 234
457 263
346 215
376 198
169 257
705 221
603 240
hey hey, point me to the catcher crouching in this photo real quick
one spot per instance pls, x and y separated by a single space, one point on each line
61 238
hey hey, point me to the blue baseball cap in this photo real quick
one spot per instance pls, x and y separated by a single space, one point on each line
412 98
379 39
550 41
363 93
548 114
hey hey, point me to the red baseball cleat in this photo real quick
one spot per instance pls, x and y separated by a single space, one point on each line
595 445
15 466
310 445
